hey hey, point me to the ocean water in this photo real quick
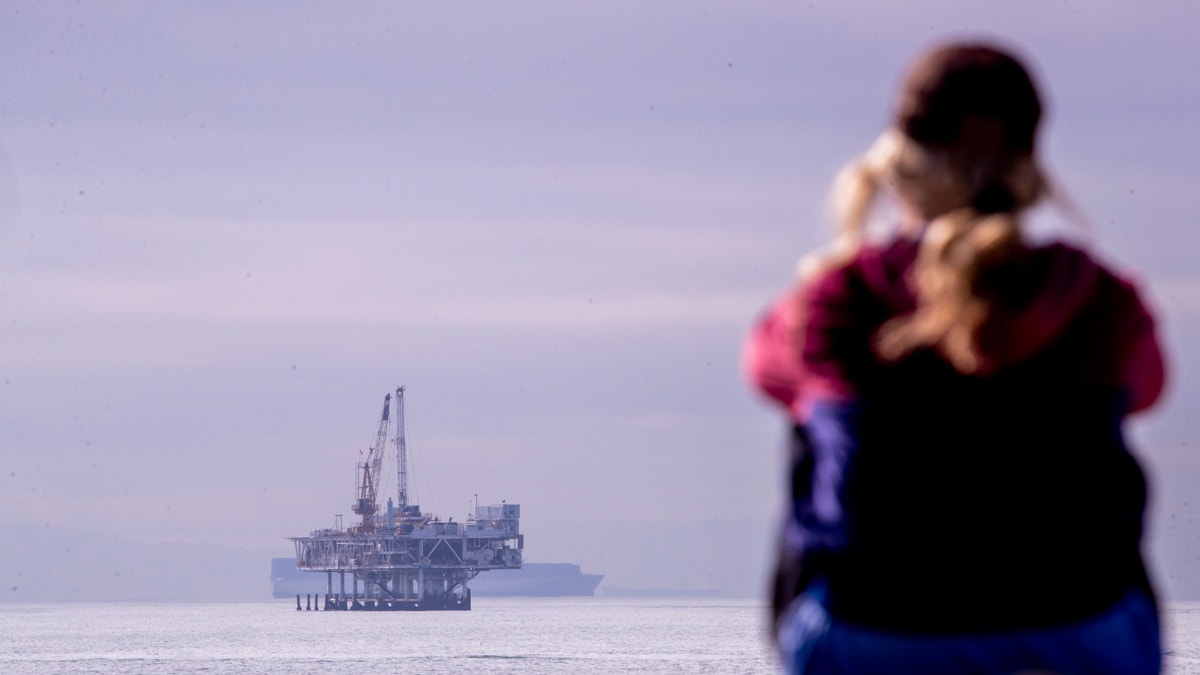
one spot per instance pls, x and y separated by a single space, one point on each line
1181 638
500 635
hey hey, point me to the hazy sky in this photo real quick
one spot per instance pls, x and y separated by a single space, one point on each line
228 229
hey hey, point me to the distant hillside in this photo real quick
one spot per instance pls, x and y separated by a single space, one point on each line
47 564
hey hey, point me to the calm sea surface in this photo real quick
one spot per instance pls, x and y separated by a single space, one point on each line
500 635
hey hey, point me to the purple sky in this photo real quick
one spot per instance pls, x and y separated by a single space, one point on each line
227 231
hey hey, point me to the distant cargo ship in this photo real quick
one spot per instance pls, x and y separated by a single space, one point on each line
539 580
547 580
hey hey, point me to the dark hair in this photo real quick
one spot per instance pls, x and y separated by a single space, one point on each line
950 86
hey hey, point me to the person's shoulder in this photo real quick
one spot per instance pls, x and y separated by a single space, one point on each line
873 275
1083 255
1071 263
1082 283
875 269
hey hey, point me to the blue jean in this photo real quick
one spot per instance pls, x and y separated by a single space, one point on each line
1122 640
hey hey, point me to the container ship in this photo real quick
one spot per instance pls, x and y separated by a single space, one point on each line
543 580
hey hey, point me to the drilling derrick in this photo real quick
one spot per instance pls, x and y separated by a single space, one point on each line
407 560
401 452
367 504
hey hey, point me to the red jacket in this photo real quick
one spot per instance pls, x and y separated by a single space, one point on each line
1069 282
931 500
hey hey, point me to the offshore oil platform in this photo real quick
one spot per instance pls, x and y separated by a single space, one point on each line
402 559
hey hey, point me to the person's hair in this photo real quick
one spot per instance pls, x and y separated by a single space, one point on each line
961 153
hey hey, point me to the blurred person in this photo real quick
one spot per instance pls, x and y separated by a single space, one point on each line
962 496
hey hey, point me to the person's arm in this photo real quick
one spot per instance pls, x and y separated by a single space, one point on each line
771 353
797 353
1145 371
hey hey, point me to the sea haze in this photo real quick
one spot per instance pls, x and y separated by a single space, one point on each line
40 563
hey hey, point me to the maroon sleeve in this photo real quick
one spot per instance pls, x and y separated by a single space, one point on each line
805 346
1144 372
841 317
771 354
1117 342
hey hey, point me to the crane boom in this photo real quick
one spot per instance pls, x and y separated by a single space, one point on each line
371 470
401 452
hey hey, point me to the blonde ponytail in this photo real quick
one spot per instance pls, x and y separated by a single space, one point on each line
975 199
956 252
